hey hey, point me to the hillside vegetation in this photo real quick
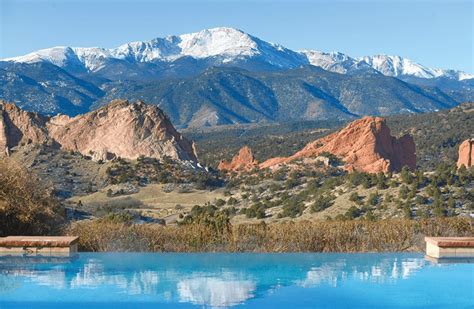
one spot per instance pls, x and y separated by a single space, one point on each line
308 205
437 136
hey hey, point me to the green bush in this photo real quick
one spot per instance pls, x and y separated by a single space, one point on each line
403 193
293 208
374 199
220 202
322 202
353 212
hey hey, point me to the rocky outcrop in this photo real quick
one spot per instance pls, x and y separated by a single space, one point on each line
466 153
365 145
122 129
18 127
243 161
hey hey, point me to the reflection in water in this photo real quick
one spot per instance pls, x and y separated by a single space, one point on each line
205 280
381 272
327 273
93 274
215 291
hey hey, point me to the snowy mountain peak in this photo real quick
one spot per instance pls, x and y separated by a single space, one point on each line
58 55
218 42
316 55
335 61
202 44
398 66
229 46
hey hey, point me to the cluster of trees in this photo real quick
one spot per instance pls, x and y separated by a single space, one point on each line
151 170
290 189
414 194
420 194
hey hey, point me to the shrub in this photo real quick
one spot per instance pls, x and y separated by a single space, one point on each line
292 208
370 216
26 207
354 197
403 193
420 200
451 202
366 184
439 210
121 217
374 199
353 212
321 203
220 202
255 211
232 201
381 181
291 183
406 175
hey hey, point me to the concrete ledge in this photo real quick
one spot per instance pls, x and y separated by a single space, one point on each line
25 259
44 245
450 247
455 260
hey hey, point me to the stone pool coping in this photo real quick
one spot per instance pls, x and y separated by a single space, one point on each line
450 247
38 244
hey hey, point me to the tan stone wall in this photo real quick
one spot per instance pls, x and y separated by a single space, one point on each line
437 252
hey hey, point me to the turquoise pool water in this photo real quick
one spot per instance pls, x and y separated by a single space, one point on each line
137 280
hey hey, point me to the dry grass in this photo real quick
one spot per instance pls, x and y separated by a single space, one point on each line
26 206
153 196
150 201
318 236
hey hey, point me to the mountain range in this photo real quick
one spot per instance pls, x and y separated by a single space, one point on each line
225 76
227 46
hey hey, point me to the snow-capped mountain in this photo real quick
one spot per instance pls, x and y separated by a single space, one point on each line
397 66
225 44
222 46
335 61
226 76
394 66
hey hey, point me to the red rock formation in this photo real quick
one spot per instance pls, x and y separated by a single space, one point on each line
20 127
364 145
466 153
243 161
118 129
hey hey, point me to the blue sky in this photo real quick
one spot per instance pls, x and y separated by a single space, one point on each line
435 33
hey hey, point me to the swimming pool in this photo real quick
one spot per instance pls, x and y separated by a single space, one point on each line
150 280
